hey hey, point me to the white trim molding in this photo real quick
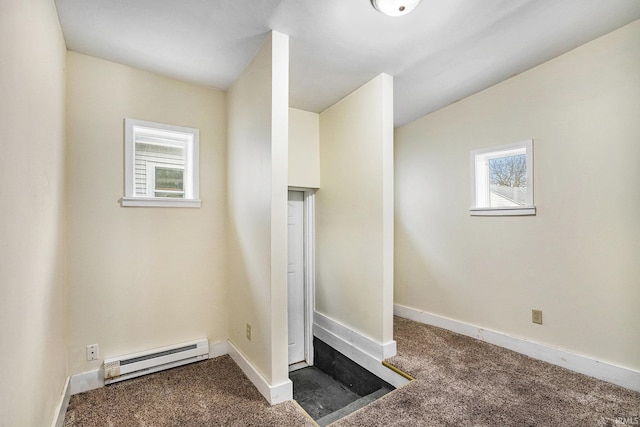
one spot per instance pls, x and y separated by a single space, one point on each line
353 338
217 349
86 381
505 211
618 375
362 350
273 393
309 271
160 202
62 405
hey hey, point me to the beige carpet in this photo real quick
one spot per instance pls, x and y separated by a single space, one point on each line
459 382
210 393
465 382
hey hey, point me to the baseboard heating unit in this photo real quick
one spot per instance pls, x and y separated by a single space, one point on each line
146 362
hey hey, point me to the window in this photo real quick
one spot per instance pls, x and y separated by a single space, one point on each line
502 180
161 165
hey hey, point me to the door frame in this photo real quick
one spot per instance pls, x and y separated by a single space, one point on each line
308 220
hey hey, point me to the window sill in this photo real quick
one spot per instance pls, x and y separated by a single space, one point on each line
160 202
527 210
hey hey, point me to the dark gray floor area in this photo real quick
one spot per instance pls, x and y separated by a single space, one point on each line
318 393
326 399
335 386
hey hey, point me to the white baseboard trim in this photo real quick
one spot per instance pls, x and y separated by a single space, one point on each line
86 381
358 348
62 405
618 375
273 393
355 339
217 349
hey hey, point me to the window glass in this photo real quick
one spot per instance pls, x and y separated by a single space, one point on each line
502 180
508 181
169 182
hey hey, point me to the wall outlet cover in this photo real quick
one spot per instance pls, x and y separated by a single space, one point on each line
536 316
93 352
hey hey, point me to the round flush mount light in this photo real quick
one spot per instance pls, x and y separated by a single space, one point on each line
395 7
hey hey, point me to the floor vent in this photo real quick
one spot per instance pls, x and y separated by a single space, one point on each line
146 362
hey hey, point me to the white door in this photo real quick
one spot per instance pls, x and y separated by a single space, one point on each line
295 277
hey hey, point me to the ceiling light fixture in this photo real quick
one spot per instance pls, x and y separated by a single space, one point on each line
395 7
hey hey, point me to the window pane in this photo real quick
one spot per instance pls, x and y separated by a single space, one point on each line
508 181
169 179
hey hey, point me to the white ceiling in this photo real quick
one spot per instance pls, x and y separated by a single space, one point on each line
443 51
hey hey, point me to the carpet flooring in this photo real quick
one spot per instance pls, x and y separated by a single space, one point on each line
214 392
459 382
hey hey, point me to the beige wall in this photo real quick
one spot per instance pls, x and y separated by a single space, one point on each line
304 149
140 278
257 108
32 214
578 259
354 212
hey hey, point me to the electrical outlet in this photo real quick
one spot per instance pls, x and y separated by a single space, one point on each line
536 316
93 352
249 332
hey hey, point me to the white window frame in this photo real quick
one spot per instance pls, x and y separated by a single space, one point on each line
191 139
480 179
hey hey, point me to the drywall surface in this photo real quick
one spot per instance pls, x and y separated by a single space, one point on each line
304 149
578 259
257 106
32 213
140 278
354 212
